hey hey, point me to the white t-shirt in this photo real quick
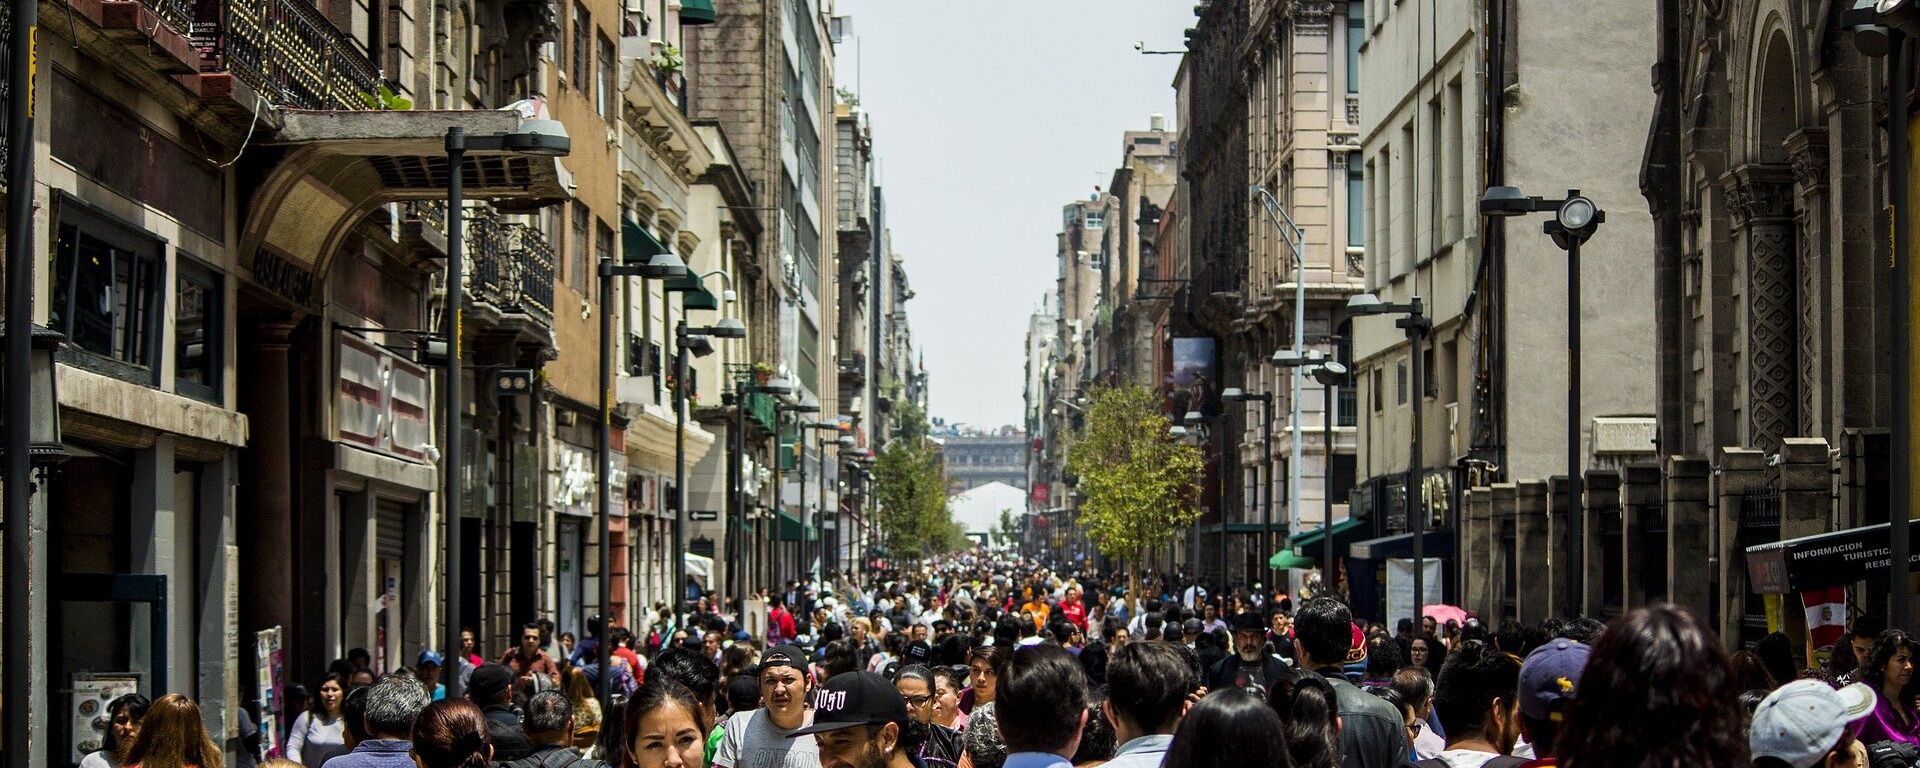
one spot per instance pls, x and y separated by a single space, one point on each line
754 741
1465 758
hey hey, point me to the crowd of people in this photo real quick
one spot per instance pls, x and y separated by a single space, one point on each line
981 662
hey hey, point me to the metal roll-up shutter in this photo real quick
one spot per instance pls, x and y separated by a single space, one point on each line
390 531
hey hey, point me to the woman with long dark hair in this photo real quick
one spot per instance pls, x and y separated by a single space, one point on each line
320 732
123 727
1889 669
1657 692
1312 718
663 727
1230 728
451 733
1427 651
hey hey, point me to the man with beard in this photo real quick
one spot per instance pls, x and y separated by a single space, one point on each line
916 686
761 738
861 721
1250 665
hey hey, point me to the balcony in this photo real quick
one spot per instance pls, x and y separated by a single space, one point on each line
283 49
853 367
512 266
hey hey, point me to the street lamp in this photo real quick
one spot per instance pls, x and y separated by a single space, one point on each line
538 138
736 470
1200 426
820 487
1417 325
1329 373
697 341
1265 399
1575 218
779 455
1298 244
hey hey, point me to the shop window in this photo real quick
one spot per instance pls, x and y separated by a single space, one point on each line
199 346
107 295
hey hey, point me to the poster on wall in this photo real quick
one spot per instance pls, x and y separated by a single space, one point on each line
91 695
1400 586
266 656
1194 383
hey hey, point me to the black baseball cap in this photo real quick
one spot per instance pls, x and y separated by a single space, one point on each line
854 698
784 656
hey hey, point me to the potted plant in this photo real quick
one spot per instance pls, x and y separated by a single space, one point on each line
669 60
762 373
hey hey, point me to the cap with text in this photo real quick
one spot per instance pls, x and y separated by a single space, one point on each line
850 699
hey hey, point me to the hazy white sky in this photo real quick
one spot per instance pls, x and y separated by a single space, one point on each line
988 116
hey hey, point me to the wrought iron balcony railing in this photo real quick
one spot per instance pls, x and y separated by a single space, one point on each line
284 49
511 265
531 255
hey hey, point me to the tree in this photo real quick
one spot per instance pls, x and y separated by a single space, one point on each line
911 482
1140 484
1007 530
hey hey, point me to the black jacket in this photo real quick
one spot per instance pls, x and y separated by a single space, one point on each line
1225 673
509 739
552 756
943 746
1372 735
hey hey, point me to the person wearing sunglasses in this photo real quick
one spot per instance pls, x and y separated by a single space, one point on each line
917 685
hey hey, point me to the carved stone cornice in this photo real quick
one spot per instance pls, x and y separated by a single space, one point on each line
1759 193
1807 155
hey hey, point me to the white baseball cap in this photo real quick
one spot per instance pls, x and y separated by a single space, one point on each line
1802 721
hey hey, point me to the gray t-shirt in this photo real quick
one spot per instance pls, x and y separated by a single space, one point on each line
753 741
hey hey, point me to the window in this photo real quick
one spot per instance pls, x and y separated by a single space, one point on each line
1356 202
1453 163
1408 209
1379 389
1429 376
1356 35
577 274
198 336
604 99
1401 390
582 35
809 365
1096 219
107 294
602 250
1436 179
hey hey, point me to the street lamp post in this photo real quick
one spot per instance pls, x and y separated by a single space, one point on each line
539 138
820 487
1298 244
736 470
1574 220
1415 322
779 456
1313 362
1265 399
1201 426
696 341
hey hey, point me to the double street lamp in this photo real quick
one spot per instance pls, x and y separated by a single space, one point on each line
1199 426
1575 218
1418 326
1265 399
1329 373
537 138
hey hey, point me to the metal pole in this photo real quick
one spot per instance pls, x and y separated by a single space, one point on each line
1326 522
1266 468
739 496
1900 443
603 485
26 556
807 558
1416 509
779 458
1226 461
450 459
1575 509
1293 417
679 472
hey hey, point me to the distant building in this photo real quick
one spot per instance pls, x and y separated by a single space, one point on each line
976 459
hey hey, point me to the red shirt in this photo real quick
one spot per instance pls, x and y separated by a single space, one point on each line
780 627
537 664
1076 613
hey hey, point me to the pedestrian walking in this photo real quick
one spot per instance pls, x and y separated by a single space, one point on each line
491 689
1041 707
1475 697
532 668
1230 728
452 733
549 725
1806 723
1889 671
123 727
862 721
1310 709
1548 680
665 727
1249 665
1372 734
1147 688
320 732
916 685
390 707
173 735
760 740
586 708
1656 693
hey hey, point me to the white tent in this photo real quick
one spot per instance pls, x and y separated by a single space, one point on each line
700 568
978 509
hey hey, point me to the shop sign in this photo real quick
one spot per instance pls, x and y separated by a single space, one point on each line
1824 560
381 401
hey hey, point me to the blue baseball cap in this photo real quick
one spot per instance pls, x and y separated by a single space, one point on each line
431 656
1550 676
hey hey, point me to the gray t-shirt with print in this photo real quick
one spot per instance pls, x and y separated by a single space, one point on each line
752 740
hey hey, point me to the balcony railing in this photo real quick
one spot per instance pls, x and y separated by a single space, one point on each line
511 264
532 256
284 49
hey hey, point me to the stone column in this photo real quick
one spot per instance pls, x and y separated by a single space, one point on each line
1761 200
219 638
1602 502
1478 566
1503 561
1806 506
1530 566
1743 471
266 524
1687 526
1807 157
157 548
1561 597
1640 512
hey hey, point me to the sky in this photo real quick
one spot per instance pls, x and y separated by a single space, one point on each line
988 116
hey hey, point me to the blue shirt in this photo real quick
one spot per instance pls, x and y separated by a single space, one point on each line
1142 752
1036 760
376 753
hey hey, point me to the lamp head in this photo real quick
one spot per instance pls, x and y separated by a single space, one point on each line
779 386
1365 304
1579 217
699 345
1177 432
845 441
540 138
1330 373
728 328
665 266
1193 417
729 296
802 408
1505 201
1233 393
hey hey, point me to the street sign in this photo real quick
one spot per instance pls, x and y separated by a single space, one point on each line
703 515
1824 560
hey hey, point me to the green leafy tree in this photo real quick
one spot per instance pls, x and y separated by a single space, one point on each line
912 489
1140 484
1008 530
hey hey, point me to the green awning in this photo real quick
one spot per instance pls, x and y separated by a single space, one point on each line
1344 529
790 529
1287 559
697 295
637 245
695 12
